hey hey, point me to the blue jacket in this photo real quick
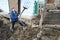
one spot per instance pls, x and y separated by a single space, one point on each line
14 16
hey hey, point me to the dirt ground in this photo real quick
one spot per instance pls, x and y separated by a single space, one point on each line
28 34
31 34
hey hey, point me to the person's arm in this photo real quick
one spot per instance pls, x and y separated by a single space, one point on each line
10 20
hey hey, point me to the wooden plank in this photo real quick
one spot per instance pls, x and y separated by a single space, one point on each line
54 10
52 26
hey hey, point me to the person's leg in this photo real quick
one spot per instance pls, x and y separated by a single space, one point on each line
22 24
13 26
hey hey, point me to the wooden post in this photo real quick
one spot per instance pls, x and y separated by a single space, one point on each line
19 6
39 35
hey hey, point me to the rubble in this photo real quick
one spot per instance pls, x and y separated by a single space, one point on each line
28 34
3 30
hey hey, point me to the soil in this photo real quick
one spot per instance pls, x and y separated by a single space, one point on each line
28 34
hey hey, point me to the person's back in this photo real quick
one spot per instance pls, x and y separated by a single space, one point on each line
14 16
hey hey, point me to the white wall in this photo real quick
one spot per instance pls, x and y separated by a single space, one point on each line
4 5
28 13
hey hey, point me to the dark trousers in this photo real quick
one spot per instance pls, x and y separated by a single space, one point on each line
20 22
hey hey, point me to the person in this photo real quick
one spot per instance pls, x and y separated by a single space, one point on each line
14 18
